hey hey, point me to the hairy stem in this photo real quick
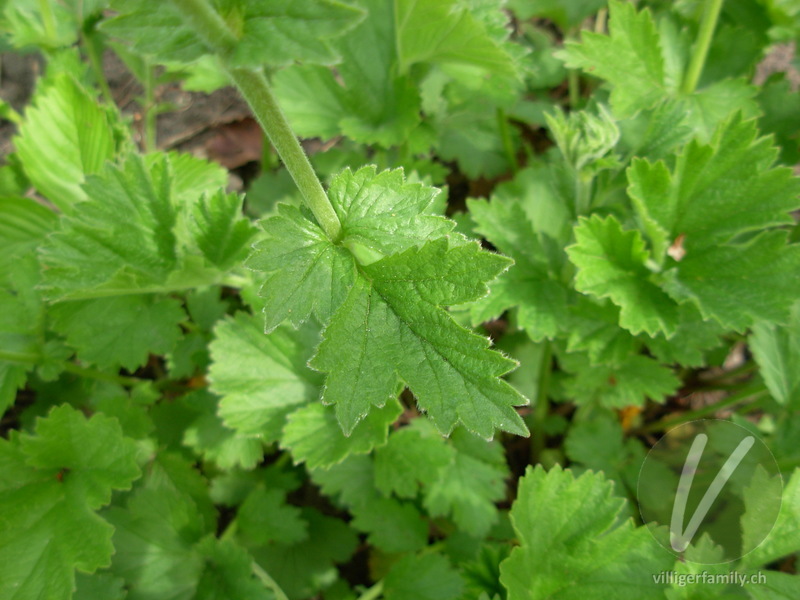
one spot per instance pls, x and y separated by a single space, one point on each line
268 581
376 591
256 91
707 26
19 357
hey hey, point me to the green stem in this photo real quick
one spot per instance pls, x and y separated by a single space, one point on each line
95 54
256 91
583 194
574 87
707 26
19 357
149 109
505 134
269 582
376 591
747 394
542 408
600 20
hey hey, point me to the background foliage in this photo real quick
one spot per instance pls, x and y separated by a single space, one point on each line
563 228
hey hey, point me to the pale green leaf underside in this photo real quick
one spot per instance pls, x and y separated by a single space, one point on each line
65 137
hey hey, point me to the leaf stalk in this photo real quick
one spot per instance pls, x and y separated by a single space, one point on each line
253 86
707 26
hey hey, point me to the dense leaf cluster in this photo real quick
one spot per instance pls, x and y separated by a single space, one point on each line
207 395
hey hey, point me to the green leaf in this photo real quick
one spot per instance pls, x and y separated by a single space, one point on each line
781 541
777 99
594 329
779 586
268 32
572 545
468 488
308 274
422 577
738 285
374 105
22 326
533 283
50 485
265 517
24 223
261 378
99 586
64 127
393 316
313 435
220 231
413 457
120 331
350 483
630 58
612 263
383 213
280 33
209 437
644 65
385 318
716 191
777 352
228 573
445 31
126 238
156 532
392 526
627 383
566 15
303 569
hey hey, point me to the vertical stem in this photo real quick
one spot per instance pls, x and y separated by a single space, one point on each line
268 581
505 134
583 194
600 20
149 109
542 407
253 86
574 87
707 26
255 89
94 52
